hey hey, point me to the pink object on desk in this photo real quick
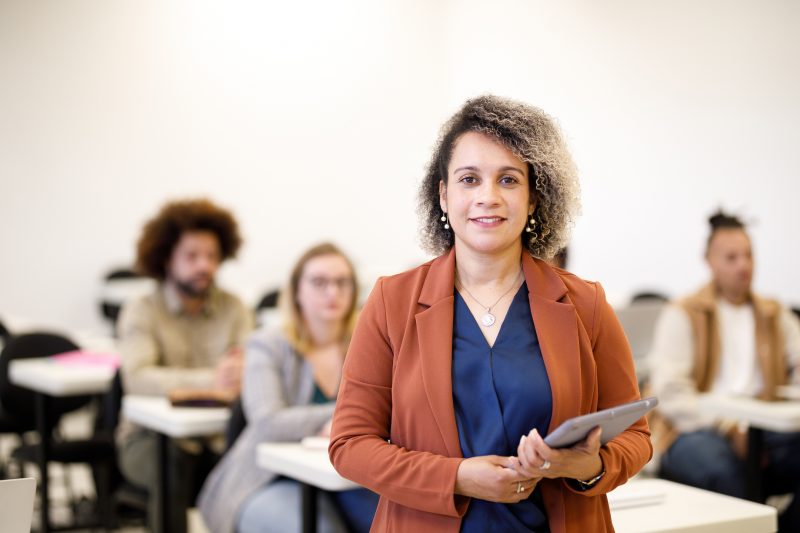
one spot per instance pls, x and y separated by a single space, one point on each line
85 358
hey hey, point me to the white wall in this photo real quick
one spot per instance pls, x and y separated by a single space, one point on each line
314 121
672 109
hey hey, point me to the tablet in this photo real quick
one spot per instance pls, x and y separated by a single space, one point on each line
613 420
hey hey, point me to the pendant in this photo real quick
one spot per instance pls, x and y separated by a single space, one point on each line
487 320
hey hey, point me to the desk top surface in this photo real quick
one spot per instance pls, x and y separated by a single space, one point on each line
310 465
43 374
773 416
639 506
688 510
157 414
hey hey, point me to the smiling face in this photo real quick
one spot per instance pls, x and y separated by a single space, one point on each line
487 197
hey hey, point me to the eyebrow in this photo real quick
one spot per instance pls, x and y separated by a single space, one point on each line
502 169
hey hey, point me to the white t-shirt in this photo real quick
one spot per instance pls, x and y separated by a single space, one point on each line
739 372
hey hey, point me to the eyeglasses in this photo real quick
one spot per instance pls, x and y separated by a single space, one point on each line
321 283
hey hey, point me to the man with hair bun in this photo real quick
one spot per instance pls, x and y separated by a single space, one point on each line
187 334
725 339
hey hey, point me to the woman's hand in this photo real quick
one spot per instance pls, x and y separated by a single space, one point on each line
581 461
494 478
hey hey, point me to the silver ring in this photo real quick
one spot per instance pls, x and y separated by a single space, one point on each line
520 488
545 465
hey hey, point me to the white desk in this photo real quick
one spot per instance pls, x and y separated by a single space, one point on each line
157 414
677 508
685 509
308 465
781 416
50 379
46 376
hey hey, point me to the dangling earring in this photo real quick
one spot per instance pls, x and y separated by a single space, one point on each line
531 224
444 219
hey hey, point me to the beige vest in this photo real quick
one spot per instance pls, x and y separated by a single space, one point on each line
701 308
703 315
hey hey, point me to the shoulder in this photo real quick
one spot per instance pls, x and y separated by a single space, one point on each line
582 293
141 308
402 282
270 340
405 283
229 300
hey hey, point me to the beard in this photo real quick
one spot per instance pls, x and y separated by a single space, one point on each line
194 288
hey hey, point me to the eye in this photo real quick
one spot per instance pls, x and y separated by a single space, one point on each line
508 180
468 179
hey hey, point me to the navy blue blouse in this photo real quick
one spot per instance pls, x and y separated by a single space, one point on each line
500 393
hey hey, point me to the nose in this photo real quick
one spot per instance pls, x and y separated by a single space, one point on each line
488 194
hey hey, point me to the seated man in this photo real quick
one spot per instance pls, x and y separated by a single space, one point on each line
724 339
186 335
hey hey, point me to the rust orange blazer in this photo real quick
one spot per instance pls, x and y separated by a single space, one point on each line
394 429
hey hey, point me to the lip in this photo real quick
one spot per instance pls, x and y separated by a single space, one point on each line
487 221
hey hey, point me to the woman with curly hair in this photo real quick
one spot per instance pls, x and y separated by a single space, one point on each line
459 367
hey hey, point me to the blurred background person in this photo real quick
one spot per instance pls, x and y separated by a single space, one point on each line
724 339
188 334
291 380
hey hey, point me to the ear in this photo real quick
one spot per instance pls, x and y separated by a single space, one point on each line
534 203
443 196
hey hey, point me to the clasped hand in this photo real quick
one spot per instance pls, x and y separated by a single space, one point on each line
512 479
580 461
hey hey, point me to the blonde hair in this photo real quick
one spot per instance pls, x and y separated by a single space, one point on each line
293 325
534 138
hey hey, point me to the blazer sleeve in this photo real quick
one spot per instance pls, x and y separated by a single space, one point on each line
360 449
627 453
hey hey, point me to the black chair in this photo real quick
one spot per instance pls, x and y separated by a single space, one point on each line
649 297
128 502
9 423
119 286
267 307
24 404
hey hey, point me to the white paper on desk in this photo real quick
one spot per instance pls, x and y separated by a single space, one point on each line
627 496
316 443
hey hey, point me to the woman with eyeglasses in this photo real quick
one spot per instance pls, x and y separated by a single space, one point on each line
291 379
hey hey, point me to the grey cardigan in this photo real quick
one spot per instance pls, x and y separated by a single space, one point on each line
277 390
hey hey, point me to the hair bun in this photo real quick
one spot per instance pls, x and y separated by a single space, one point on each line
720 219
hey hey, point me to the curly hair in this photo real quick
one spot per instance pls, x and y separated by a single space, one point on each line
162 233
534 138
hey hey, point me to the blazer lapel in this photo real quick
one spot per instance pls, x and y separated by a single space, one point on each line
556 325
435 327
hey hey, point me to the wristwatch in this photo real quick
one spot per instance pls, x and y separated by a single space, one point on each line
586 485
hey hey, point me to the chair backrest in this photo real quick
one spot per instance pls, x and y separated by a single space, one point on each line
267 313
19 401
639 322
120 286
649 297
